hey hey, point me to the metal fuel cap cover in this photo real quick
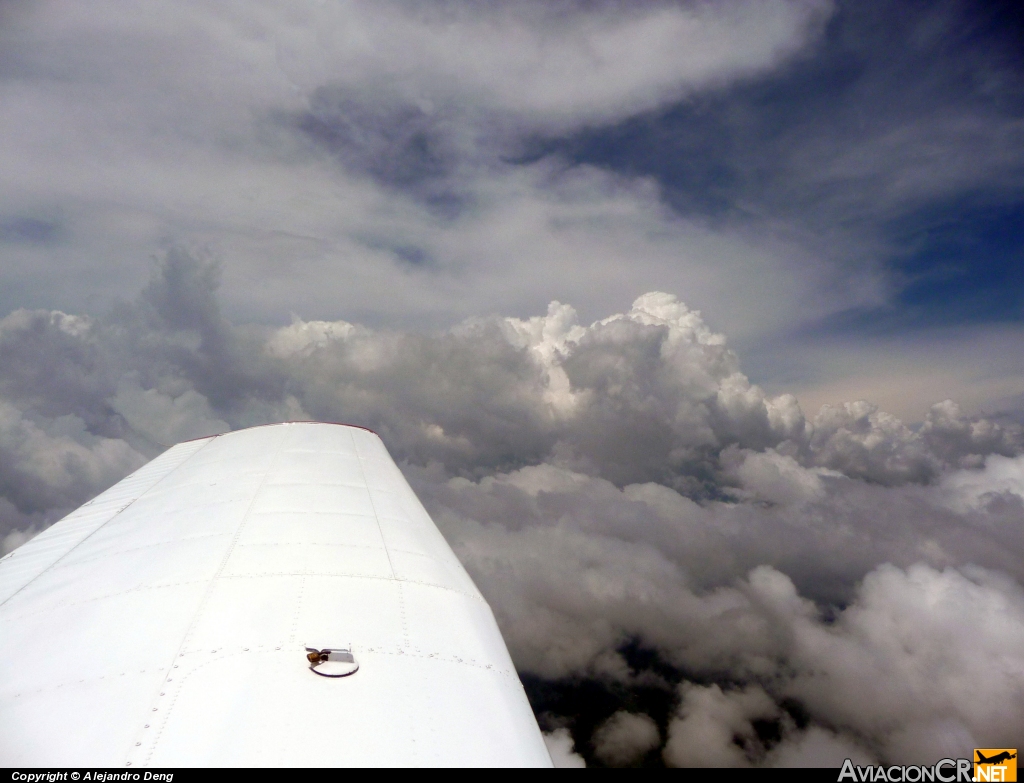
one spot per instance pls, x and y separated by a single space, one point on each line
332 661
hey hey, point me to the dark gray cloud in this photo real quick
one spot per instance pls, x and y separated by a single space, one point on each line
399 145
28 229
813 585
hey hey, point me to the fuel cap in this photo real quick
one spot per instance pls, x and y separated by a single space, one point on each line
332 661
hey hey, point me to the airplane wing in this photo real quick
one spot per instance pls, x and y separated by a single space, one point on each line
180 619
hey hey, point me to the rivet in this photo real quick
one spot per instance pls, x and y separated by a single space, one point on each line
163 694
127 763
146 726
137 744
154 709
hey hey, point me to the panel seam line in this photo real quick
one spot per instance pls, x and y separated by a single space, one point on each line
112 517
209 589
369 494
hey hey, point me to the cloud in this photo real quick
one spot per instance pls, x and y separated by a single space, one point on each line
549 64
923 661
560 747
806 585
377 148
713 727
49 464
887 159
817 747
377 161
902 373
625 738
164 418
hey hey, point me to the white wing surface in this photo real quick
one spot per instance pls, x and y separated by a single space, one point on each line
168 621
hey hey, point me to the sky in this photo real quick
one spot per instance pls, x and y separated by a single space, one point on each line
836 187
695 325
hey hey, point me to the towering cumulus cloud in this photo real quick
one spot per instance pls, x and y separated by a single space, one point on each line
685 568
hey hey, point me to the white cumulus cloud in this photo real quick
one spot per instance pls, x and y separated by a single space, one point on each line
801 585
